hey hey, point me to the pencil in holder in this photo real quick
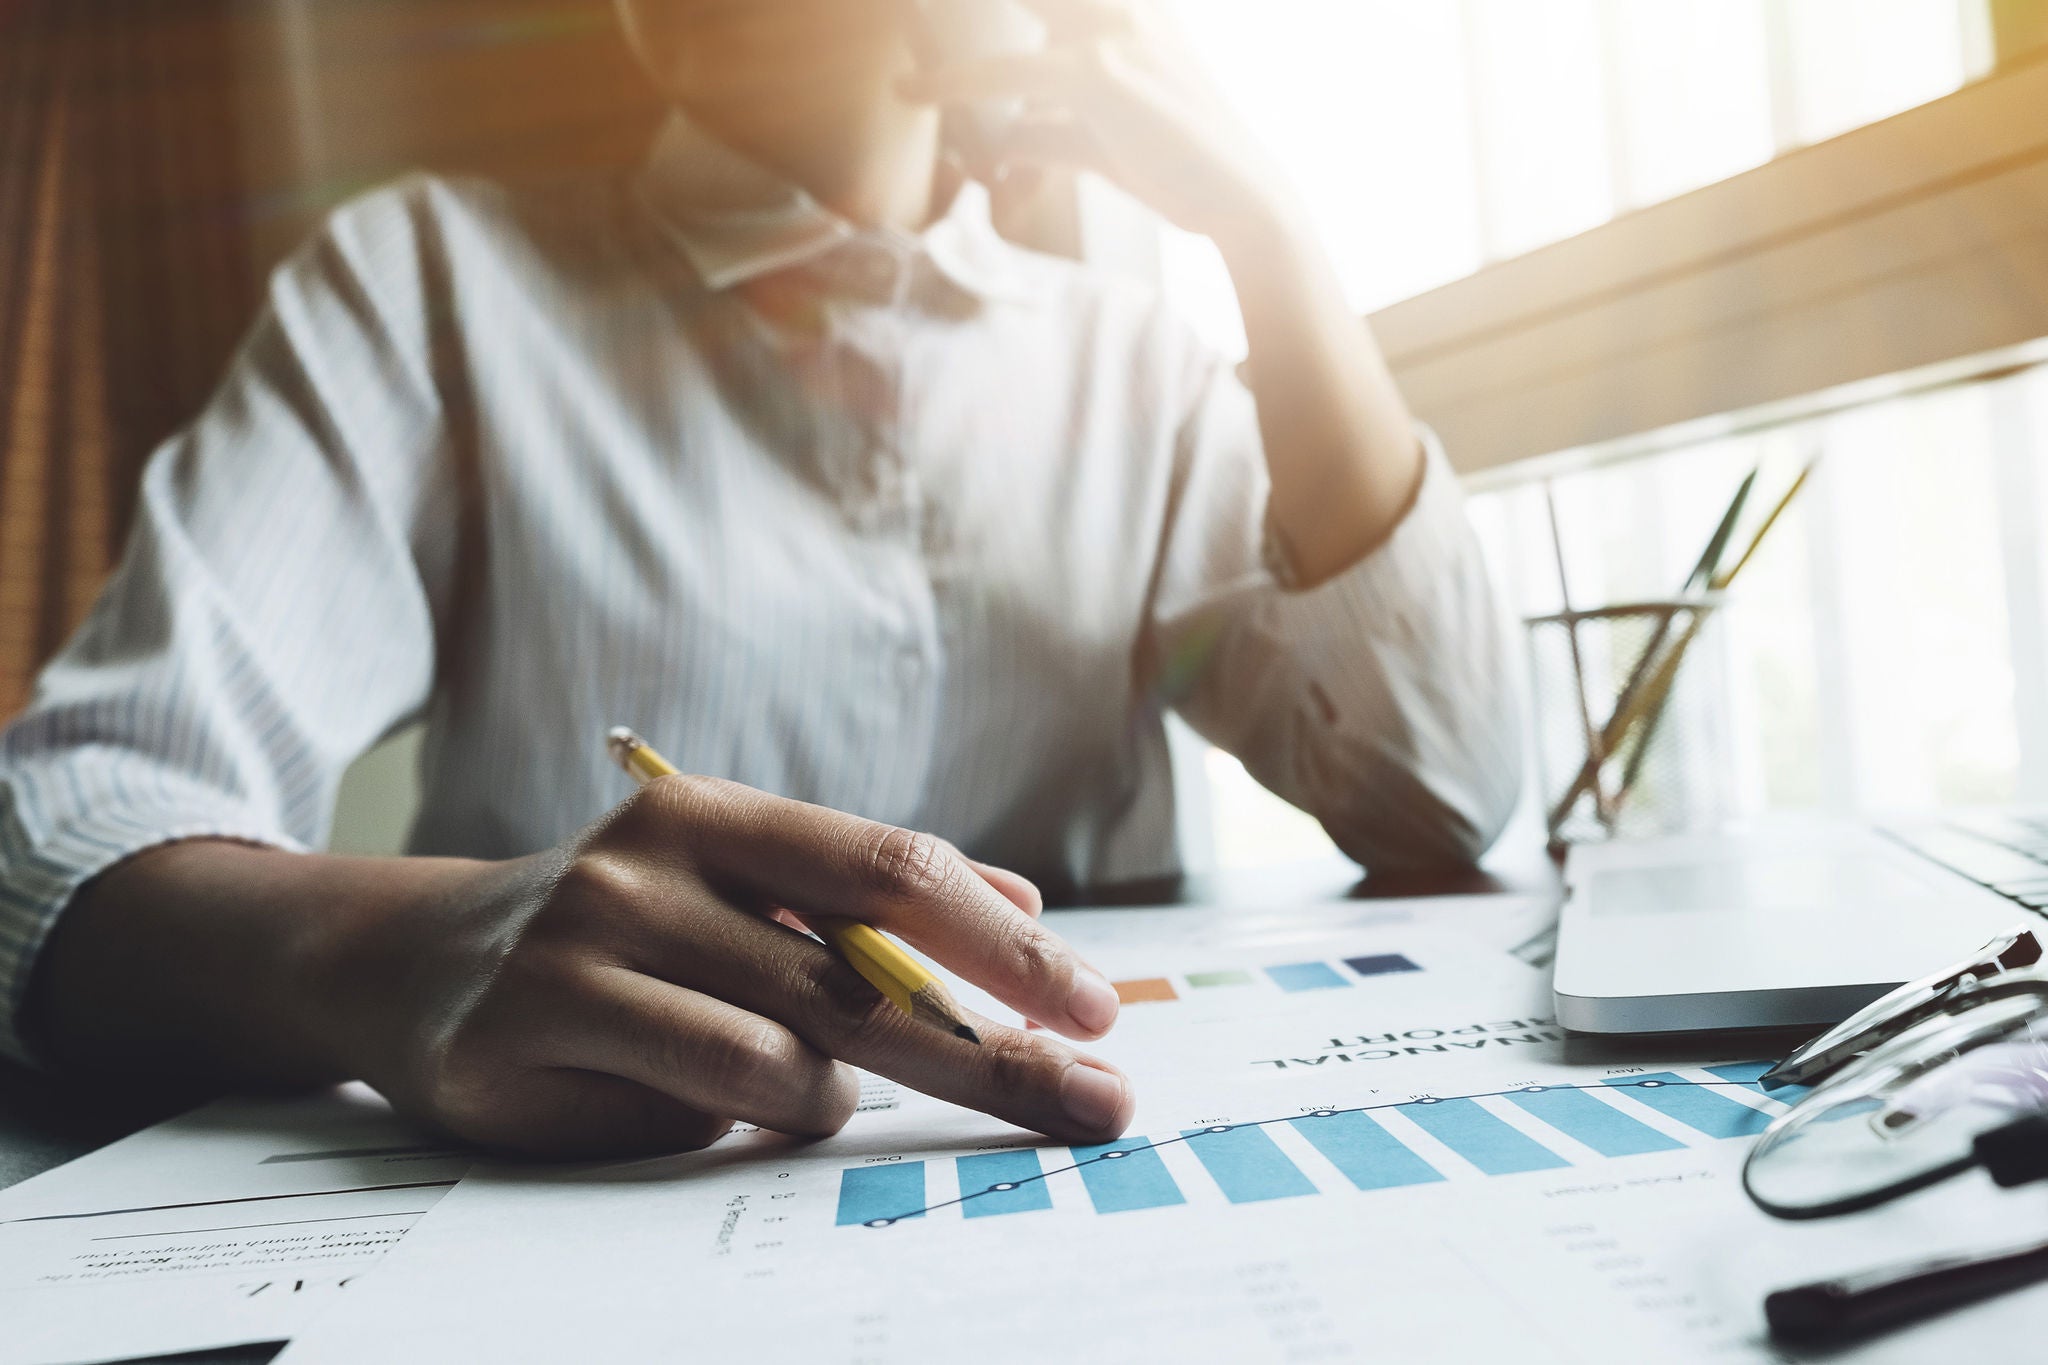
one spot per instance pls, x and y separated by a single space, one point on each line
1631 722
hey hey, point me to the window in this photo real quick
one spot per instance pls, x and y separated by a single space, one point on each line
1430 137
1906 586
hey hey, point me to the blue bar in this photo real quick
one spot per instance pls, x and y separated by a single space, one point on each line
1126 1175
881 1194
983 1177
1749 1073
1247 1164
1370 1157
1306 976
1602 1127
1495 1147
1381 964
1695 1106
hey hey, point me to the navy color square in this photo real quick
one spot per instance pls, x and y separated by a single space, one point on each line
1381 964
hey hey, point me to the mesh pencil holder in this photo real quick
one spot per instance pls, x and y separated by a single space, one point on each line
1631 719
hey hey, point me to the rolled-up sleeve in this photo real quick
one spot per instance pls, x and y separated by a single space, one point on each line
1379 701
273 613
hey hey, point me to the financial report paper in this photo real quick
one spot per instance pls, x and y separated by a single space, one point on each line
232 1224
1359 1142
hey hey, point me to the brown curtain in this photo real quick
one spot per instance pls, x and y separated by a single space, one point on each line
124 279
153 167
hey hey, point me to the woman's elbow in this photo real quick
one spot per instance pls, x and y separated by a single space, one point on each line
1444 813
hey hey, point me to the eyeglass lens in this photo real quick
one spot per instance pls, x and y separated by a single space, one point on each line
1907 1114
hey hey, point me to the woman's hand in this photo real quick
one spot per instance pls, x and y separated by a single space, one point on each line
1116 91
636 990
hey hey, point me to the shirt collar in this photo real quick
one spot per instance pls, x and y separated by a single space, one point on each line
736 220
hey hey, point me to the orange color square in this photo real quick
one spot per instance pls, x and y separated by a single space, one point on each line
1142 992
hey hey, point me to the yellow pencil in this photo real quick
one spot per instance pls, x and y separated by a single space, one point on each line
909 985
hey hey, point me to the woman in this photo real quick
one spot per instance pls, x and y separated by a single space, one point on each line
873 521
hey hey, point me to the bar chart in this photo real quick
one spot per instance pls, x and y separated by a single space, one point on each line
1418 1141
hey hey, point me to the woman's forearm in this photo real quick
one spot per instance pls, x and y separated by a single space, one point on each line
209 962
1340 444
621 992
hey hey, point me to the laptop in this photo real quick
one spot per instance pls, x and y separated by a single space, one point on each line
1785 921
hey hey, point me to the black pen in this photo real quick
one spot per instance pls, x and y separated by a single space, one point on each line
1860 1305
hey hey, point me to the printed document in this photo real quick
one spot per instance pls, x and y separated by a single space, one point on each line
1367 1145
232 1224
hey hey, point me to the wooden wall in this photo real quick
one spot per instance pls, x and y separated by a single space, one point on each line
1916 244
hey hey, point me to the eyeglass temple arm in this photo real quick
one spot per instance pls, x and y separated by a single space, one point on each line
2015 1153
1831 1312
1856 1306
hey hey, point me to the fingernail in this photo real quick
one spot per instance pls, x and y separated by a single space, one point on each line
1091 1097
1093 1002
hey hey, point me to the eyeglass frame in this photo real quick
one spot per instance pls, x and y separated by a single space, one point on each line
1890 1015
2012 1153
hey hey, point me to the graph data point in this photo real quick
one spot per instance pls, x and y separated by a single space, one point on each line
1325 1114
1649 1085
880 1222
1112 1156
1220 1128
1006 1185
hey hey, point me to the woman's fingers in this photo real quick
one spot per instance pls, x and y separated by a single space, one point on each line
816 861
1051 141
762 970
1022 1078
1013 887
707 1054
1069 20
1054 74
1018 890
657 992
578 1114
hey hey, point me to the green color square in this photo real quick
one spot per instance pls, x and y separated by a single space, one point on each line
1202 980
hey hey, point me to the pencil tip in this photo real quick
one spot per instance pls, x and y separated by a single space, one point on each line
962 1031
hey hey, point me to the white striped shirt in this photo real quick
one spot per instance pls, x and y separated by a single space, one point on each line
926 528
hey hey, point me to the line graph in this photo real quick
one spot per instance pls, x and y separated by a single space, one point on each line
1248 1166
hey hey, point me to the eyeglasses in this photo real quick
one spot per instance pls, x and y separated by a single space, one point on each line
1944 1074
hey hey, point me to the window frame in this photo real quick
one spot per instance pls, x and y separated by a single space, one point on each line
1907 253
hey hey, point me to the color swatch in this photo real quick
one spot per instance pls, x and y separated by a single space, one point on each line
1289 977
